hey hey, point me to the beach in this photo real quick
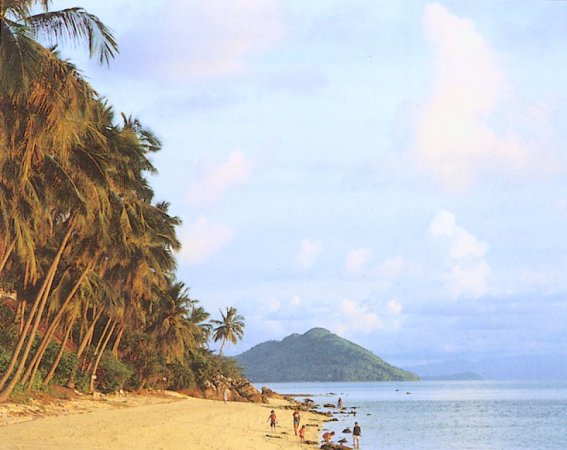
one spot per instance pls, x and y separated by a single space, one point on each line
152 422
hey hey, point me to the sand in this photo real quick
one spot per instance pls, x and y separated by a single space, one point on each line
149 422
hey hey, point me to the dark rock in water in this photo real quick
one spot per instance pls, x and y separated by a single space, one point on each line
328 405
334 419
347 430
368 414
308 401
342 441
334 447
407 393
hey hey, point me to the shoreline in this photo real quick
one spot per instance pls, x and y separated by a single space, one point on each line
167 421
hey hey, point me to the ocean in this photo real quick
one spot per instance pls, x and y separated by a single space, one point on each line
442 415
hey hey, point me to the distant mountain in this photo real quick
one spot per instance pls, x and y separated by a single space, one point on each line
499 367
317 355
463 376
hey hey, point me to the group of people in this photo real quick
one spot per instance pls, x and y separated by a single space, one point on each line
327 436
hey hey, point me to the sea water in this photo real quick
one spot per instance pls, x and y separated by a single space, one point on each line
440 415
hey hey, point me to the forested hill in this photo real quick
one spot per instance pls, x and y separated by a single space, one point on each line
317 355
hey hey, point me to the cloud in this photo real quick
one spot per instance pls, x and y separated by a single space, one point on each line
391 267
454 136
308 253
360 316
209 39
296 300
394 307
467 270
202 239
357 260
215 180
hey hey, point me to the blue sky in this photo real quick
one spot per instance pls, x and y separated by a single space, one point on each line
392 171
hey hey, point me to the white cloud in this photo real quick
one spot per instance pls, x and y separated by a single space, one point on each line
296 300
454 137
394 307
210 38
360 316
216 179
274 304
308 252
357 260
202 239
391 267
467 270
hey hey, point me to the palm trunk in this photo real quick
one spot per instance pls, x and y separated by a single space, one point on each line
99 344
35 315
95 368
118 339
21 317
84 344
47 337
51 372
7 254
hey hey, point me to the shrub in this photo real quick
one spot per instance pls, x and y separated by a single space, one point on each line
180 377
4 359
112 373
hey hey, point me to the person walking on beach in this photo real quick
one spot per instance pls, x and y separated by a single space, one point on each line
356 433
225 395
273 419
296 420
302 433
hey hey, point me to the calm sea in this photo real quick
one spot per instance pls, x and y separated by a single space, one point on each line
447 414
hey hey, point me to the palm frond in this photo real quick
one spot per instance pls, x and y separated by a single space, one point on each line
72 25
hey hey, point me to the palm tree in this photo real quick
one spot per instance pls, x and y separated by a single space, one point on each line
229 329
48 113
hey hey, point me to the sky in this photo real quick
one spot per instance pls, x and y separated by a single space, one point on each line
391 171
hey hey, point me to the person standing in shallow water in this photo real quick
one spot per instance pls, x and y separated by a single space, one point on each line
340 404
296 420
356 434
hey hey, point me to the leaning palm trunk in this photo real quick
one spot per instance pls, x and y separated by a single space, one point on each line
37 307
118 340
51 372
84 344
21 316
98 358
35 315
7 254
88 335
48 335
99 344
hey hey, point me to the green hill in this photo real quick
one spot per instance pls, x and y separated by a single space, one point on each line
317 355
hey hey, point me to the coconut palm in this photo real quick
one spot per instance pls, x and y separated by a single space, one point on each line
229 329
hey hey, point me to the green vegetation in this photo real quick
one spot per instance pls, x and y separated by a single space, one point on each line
317 355
88 294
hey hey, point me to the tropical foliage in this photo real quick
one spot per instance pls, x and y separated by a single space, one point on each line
229 329
88 295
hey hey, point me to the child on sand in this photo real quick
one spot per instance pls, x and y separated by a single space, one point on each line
302 433
328 437
296 419
272 418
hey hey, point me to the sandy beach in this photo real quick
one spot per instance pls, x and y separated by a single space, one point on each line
151 422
